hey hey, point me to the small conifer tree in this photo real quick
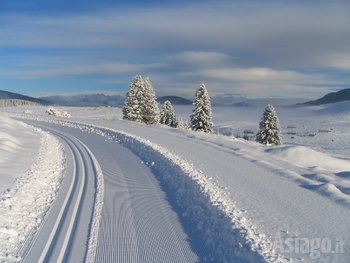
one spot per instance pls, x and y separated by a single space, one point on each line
132 110
149 105
167 115
181 124
201 119
141 102
269 128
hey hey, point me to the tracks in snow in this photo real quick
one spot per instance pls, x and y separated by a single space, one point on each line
137 225
71 215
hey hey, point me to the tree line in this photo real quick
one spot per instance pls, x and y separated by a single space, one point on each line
141 105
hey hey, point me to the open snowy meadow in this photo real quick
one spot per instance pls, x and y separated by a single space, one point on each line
82 185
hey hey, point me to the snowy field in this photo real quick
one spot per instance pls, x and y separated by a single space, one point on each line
323 128
228 199
31 169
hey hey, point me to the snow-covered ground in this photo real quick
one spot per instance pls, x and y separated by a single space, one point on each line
18 147
236 198
31 168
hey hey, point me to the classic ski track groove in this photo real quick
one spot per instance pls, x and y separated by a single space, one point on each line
75 147
130 230
138 215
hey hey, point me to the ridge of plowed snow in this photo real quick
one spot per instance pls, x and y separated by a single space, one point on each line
96 217
24 204
19 145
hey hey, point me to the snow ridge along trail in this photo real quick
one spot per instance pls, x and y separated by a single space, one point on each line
70 227
25 203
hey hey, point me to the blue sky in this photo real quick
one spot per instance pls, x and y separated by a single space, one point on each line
252 48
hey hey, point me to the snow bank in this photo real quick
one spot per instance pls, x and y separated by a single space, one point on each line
97 213
57 113
24 204
19 144
306 157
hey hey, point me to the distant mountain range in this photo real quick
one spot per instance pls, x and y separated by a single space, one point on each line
333 97
5 95
233 100
105 100
175 100
90 100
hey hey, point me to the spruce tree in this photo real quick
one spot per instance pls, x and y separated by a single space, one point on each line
269 128
167 115
132 110
149 105
181 124
201 116
141 102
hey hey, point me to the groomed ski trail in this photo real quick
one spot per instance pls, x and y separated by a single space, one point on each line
67 232
137 222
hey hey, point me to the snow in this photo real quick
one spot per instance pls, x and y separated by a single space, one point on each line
26 200
80 193
18 148
97 213
58 113
238 199
322 128
306 157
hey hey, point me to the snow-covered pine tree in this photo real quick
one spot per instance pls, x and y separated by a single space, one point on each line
269 128
167 115
132 109
201 116
149 105
181 124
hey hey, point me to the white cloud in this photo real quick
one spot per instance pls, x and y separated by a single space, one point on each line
201 59
282 33
96 69
179 45
339 61
263 75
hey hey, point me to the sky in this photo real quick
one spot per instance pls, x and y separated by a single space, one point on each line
251 48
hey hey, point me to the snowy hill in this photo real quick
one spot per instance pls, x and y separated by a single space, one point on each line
240 101
175 100
333 97
17 102
18 99
86 100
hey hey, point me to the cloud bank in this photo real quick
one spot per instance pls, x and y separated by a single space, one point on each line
232 44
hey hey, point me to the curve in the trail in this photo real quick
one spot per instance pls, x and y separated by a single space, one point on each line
57 239
59 221
137 223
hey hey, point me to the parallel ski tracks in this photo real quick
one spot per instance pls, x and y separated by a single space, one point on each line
137 222
59 243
